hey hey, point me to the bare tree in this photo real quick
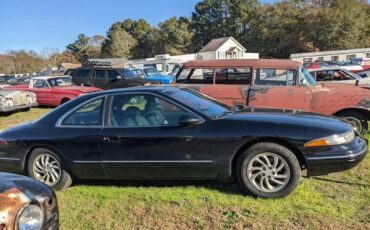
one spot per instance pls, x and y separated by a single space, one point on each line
51 55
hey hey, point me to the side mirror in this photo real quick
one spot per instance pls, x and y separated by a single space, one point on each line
189 121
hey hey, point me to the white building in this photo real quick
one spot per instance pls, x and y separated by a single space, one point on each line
219 48
224 48
336 55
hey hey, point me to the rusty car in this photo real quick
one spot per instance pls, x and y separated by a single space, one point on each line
274 83
26 204
13 100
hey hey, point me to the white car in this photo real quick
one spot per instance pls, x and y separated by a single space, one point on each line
338 75
11 100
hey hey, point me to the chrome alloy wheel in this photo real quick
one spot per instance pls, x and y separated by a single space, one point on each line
268 172
46 169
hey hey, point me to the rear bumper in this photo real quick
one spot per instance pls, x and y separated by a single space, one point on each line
13 108
336 158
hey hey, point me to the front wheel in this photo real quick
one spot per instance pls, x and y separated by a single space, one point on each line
268 170
46 167
357 120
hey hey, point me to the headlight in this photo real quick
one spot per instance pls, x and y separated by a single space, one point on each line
147 84
9 103
332 140
31 217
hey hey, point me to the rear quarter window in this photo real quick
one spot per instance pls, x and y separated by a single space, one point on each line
83 73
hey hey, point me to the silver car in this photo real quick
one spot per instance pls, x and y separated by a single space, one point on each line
11 100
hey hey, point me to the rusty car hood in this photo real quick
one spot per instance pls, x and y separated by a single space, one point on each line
18 191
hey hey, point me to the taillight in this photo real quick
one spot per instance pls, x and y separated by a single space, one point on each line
3 142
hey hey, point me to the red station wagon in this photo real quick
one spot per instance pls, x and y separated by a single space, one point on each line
274 83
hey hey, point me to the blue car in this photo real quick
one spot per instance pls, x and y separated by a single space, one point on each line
151 73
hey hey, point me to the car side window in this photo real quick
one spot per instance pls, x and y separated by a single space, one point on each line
112 74
195 76
89 114
99 74
40 84
275 77
139 73
144 110
127 73
83 73
233 76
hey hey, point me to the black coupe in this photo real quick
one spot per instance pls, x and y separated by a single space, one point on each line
176 133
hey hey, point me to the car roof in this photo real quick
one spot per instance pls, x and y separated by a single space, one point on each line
327 68
48 77
153 89
242 63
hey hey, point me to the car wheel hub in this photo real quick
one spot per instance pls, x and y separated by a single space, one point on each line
268 172
46 169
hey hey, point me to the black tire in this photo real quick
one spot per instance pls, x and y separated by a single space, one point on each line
291 162
64 100
348 114
65 179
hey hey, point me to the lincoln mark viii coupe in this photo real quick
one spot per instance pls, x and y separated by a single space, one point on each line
176 133
276 83
26 204
54 90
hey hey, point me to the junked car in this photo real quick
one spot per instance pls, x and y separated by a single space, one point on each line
176 133
105 77
54 90
26 204
338 75
152 74
275 83
13 100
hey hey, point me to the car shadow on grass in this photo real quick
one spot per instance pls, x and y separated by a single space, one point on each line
226 187
341 182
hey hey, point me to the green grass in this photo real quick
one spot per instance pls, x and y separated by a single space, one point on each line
336 201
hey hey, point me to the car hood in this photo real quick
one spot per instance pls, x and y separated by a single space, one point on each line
160 77
25 184
364 81
293 119
82 89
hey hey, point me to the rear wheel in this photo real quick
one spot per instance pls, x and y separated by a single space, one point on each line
268 170
45 166
357 119
64 100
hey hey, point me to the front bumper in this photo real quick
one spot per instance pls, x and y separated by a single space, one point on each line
18 107
336 158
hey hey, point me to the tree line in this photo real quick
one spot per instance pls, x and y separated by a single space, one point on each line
273 30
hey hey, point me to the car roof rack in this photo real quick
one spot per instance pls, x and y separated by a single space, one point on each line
108 62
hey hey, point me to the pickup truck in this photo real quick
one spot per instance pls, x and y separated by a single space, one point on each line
151 73
53 90
274 83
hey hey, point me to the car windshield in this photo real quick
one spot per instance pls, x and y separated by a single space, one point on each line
60 81
199 102
151 71
305 78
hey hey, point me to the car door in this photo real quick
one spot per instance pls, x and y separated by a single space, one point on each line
144 139
99 78
77 138
278 88
43 92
